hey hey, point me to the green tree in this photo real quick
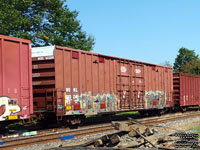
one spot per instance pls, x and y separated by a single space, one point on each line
44 22
185 59
166 63
192 67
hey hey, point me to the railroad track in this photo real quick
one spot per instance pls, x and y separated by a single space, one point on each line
52 137
158 120
91 130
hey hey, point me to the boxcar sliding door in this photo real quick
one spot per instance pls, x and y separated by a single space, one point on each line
130 84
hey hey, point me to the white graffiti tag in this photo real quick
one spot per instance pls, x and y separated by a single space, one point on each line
8 107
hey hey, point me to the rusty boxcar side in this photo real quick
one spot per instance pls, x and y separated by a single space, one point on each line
71 82
186 90
15 79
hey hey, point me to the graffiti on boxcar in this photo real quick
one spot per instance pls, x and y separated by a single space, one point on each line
156 99
93 104
123 69
137 71
8 107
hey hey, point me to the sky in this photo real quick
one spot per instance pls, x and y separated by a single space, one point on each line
145 30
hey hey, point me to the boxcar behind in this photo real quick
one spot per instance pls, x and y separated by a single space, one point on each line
186 90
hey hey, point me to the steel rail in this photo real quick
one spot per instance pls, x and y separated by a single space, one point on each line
92 130
50 137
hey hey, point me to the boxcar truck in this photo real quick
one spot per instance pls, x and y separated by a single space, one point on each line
16 102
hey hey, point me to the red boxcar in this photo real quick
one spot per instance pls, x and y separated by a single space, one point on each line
15 79
186 90
71 82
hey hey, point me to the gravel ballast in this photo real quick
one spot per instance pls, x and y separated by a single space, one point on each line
178 125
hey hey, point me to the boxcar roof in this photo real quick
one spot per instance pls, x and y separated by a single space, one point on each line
49 51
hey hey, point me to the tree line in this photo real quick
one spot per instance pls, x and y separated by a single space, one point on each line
187 61
50 22
44 22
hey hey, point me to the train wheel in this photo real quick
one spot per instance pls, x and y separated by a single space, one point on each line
183 109
162 112
73 120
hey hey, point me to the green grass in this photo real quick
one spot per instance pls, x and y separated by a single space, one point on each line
194 107
92 116
22 126
128 113
117 114
16 125
196 130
